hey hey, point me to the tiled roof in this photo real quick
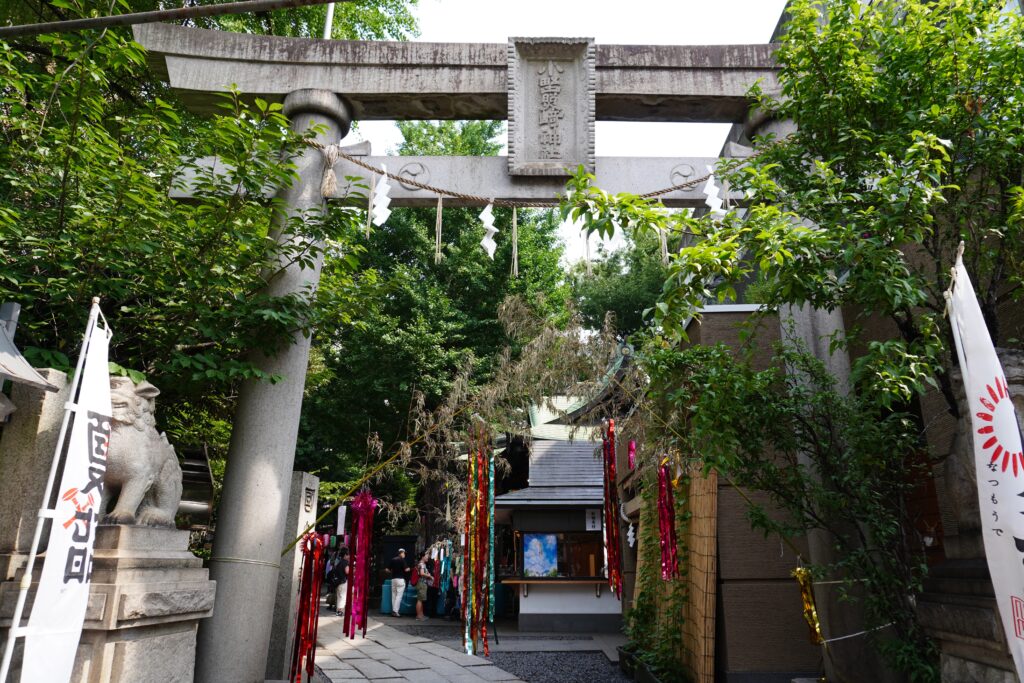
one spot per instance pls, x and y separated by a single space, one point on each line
561 473
552 496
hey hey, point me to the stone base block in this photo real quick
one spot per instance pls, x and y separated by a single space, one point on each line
954 668
147 596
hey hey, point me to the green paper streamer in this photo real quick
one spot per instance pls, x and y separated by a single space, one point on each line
490 523
467 574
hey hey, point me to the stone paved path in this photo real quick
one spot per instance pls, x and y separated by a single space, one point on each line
387 654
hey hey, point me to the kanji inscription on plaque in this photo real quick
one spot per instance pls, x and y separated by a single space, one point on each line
551 85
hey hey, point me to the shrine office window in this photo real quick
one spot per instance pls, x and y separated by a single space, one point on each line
570 555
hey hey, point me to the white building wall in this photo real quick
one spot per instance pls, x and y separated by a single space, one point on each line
555 598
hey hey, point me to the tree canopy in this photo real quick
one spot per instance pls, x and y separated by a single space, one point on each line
422 322
626 282
90 145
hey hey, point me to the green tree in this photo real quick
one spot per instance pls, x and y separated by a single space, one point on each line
626 282
91 144
85 211
908 140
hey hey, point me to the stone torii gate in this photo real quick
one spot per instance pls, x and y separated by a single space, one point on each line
551 90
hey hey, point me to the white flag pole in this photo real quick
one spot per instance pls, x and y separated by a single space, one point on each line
45 512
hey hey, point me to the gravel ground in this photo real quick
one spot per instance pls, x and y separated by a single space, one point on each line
559 667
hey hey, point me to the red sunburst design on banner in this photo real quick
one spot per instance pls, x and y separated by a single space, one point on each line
999 393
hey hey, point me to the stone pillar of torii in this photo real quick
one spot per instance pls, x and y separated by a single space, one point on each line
247 546
551 91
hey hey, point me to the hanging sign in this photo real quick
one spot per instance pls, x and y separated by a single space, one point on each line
594 519
58 612
998 456
341 519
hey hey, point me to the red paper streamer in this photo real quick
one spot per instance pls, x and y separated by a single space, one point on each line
311 576
667 525
356 611
611 511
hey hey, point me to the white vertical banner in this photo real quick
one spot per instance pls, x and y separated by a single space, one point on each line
55 624
998 457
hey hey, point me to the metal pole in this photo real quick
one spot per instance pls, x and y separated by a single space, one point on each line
44 510
329 23
156 15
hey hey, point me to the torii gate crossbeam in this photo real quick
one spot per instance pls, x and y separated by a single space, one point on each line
411 80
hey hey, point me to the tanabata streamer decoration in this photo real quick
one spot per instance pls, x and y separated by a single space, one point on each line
487 218
611 511
490 541
632 454
311 576
446 567
803 577
667 525
478 569
362 509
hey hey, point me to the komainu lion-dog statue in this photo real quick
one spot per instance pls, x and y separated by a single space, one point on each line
142 468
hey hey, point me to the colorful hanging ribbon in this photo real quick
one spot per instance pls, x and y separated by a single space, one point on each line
446 567
803 577
490 542
311 576
478 568
356 612
667 525
611 511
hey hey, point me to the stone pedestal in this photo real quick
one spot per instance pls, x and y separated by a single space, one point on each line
302 509
26 451
147 597
958 609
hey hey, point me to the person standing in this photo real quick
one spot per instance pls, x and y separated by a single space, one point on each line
398 570
432 591
423 583
332 559
339 579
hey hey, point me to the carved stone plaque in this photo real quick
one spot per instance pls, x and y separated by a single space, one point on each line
551 84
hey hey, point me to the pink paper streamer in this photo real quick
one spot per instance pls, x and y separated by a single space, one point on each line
359 585
667 526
